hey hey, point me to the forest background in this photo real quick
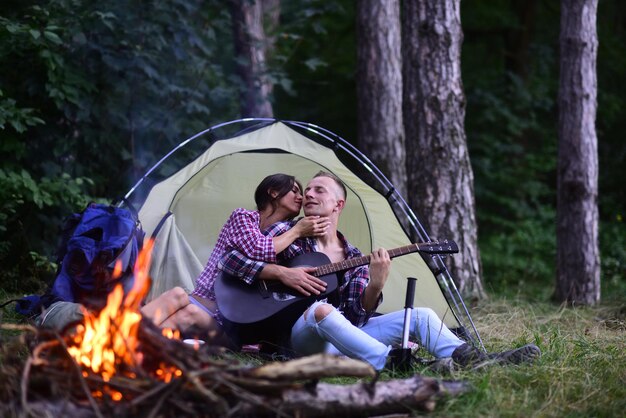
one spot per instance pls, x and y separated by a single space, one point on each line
92 95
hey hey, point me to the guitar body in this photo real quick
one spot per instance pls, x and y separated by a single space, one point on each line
265 309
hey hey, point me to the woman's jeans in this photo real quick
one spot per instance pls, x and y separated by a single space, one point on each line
373 341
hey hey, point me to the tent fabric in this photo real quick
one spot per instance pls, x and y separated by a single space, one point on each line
174 263
202 195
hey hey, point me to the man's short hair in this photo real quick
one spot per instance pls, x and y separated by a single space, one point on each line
336 179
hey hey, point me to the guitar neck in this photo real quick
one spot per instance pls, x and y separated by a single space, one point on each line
361 261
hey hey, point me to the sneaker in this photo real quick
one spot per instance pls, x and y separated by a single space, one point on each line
443 365
467 355
524 354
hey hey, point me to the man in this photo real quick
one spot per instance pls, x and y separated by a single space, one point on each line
350 327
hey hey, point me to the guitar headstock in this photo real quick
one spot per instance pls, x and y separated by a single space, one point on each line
444 246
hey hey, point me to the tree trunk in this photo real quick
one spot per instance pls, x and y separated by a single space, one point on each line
440 177
251 50
379 88
578 259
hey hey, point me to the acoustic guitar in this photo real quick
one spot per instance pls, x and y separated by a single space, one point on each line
269 303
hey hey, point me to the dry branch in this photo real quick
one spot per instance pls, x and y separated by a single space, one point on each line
361 399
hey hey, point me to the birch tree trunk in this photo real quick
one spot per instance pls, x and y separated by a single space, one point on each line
440 177
379 88
578 259
251 50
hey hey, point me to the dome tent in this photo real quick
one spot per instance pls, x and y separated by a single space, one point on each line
186 210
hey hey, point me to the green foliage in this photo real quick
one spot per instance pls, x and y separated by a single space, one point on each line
520 258
611 101
613 258
115 82
513 150
17 118
511 127
317 52
90 96
26 202
611 147
512 139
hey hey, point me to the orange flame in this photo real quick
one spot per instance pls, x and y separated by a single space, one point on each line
172 334
108 343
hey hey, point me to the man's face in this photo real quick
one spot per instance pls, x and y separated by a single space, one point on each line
321 197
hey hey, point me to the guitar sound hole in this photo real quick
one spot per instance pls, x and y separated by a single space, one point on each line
281 297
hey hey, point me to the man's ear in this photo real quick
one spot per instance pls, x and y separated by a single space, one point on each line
340 204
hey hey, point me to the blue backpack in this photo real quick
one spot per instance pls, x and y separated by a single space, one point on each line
94 241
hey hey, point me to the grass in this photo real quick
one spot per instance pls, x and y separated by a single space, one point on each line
8 315
582 372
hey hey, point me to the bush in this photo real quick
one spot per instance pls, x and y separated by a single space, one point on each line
613 258
31 214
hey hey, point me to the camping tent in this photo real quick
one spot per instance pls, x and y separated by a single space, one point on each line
186 210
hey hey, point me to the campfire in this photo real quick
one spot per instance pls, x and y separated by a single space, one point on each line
107 343
118 363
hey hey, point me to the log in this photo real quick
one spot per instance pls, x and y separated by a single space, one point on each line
314 367
388 397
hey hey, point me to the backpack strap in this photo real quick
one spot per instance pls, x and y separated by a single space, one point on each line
129 205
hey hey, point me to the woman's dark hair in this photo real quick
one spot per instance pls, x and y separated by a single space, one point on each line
279 183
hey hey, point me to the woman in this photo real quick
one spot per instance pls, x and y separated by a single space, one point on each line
278 198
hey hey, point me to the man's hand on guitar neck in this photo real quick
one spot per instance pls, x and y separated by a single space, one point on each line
297 278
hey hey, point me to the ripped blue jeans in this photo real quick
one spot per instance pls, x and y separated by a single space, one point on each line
372 342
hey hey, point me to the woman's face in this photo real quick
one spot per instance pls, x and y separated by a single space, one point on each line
292 201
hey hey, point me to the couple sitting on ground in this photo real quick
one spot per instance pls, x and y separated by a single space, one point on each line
253 244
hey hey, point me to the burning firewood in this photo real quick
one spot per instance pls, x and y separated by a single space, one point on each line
117 363
204 381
